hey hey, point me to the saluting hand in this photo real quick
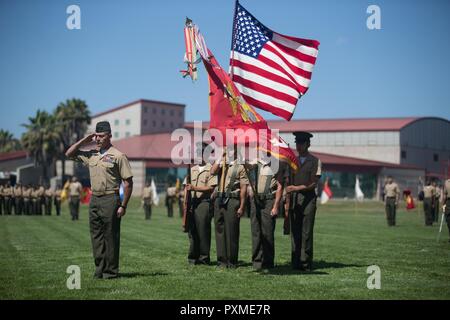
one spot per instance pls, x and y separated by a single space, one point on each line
88 139
121 212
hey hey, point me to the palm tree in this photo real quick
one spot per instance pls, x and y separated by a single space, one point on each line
72 119
41 140
7 142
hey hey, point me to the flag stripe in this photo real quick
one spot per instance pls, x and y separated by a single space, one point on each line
278 64
300 45
264 64
263 97
264 89
266 80
300 68
268 107
299 56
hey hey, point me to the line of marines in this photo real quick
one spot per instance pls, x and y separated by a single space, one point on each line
29 199
38 199
433 196
223 192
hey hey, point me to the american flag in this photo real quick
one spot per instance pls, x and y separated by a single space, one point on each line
270 70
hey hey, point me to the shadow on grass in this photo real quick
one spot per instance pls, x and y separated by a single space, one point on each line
240 264
286 269
321 264
141 274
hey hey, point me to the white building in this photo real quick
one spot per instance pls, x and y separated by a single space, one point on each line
141 117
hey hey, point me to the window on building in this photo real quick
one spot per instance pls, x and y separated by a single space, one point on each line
127 134
116 122
162 123
403 154
154 123
116 135
127 122
435 157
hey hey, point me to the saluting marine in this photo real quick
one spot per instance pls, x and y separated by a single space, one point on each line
108 168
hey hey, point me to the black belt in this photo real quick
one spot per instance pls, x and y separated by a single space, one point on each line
228 195
264 197
106 194
305 193
201 200
390 197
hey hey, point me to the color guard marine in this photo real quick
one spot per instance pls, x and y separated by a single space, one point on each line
229 207
302 190
266 181
201 186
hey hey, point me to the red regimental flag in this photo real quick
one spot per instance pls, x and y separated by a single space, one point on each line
229 110
86 195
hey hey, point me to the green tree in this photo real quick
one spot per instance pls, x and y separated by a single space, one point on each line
7 142
41 140
72 119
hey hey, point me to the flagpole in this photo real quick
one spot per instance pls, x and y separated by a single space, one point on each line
233 39
440 227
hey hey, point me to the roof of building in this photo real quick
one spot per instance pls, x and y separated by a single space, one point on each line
141 101
159 147
6 156
337 125
327 158
147 147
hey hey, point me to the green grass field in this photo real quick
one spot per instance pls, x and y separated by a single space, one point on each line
36 250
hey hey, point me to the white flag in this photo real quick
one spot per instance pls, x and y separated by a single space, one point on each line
155 197
358 192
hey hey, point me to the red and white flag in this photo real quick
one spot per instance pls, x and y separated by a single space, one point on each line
326 193
272 71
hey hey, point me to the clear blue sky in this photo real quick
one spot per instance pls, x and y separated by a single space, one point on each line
128 50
